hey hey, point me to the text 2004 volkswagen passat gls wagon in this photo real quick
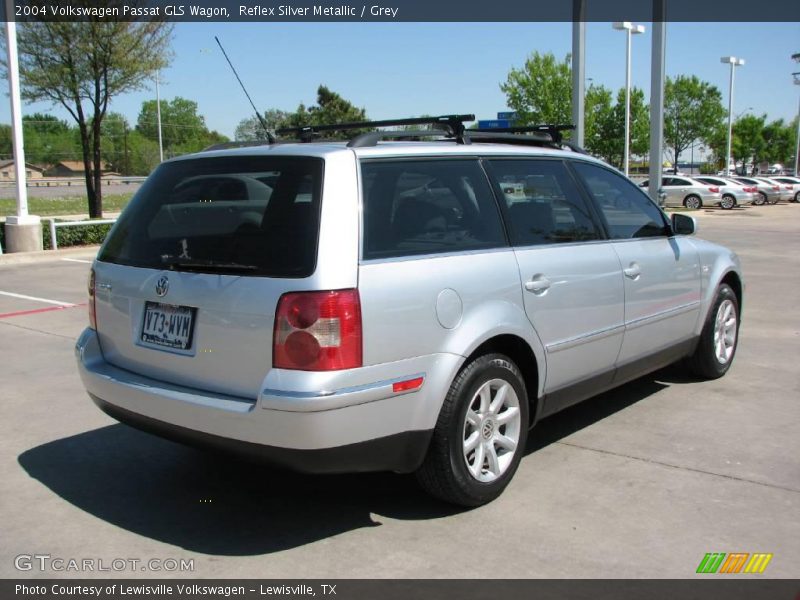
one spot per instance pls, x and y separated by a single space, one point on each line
413 306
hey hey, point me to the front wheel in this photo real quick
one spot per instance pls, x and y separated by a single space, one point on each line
720 336
727 202
480 435
692 202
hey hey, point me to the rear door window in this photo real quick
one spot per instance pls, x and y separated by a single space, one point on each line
243 215
542 202
417 207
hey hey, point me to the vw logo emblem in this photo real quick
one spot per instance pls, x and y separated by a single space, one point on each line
487 430
162 286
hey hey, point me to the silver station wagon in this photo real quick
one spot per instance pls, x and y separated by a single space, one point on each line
409 301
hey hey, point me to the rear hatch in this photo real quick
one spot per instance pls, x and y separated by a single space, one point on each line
189 279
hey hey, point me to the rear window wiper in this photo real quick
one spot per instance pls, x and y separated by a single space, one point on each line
196 264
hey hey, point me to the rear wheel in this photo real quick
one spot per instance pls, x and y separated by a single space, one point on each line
775 199
761 198
480 434
797 197
717 346
692 202
728 202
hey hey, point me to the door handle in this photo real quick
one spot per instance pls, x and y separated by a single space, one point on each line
538 284
632 272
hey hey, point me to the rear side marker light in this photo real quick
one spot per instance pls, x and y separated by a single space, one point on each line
407 385
91 304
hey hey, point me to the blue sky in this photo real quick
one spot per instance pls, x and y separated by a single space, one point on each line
407 69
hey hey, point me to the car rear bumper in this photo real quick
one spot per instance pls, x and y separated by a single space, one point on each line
352 428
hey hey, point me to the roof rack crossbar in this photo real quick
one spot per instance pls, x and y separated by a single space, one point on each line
454 123
554 131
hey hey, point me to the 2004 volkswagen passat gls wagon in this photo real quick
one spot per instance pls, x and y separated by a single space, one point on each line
411 306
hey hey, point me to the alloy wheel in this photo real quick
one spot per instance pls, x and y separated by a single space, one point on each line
491 431
725 332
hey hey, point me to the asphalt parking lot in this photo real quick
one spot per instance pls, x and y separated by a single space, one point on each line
638 482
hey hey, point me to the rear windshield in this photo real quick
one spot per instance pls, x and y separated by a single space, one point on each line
240 215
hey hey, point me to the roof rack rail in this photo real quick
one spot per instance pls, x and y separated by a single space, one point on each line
453 123
227 145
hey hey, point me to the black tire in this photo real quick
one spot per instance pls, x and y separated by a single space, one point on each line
760 199
727 202
775 201
704 361
693 201
797 197
444 472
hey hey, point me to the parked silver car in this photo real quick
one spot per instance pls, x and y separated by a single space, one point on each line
680 190
793 184
767 192
374 305
733 193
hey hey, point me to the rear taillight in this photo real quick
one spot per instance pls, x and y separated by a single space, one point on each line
92 311
714 189
318 331
787 187
750 189
776 188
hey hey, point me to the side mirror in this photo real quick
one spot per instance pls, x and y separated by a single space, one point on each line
683 224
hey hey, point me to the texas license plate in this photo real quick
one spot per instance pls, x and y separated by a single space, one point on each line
168 325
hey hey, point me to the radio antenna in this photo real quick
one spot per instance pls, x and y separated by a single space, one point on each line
270 137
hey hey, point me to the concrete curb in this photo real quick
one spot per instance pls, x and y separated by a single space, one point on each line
19 258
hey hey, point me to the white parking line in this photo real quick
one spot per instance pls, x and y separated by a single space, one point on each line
78 260
35 299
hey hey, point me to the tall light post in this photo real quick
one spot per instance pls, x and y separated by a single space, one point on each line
629 29
796 58
733 62
158 113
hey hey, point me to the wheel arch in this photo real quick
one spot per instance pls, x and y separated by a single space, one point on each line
732 279
519 351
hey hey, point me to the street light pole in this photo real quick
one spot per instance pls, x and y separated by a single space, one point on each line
158 112
629 29
796 58
733 62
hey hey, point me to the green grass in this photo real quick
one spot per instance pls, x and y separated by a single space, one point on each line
48 207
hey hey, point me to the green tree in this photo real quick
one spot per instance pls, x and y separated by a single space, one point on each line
183 129
605 124
747 142
82 66
250 129
116 132
330 108
779 140
48 139
693 112
540 91
143 154
6 150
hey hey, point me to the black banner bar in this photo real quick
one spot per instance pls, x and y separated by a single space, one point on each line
711 588
402 10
